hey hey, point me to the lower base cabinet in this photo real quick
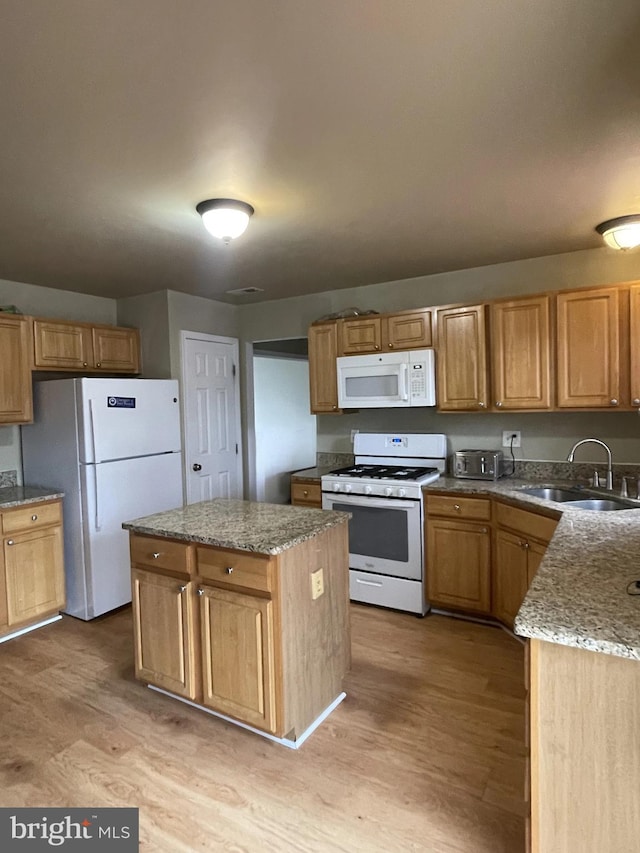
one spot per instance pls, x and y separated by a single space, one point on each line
240 633
32 585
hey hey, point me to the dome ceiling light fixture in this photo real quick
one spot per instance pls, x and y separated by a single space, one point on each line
225 218
621 233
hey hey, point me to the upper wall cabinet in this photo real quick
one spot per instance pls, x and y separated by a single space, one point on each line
16 402
81 347
520 354
404 330
462 384
588 349
323 379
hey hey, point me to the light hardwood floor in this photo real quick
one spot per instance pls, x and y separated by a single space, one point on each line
425 753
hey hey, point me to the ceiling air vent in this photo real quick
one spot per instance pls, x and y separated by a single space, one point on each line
243 290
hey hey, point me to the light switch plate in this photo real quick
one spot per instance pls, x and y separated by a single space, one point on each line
317 584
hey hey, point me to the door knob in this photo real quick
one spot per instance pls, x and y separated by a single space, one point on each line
196 467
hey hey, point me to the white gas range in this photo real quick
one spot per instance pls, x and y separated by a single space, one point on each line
383 493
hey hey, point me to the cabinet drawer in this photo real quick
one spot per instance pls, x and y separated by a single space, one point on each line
525 522
34 515
306 493
459 507
235 568
157 552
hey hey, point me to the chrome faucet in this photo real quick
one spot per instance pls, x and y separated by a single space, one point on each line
602 444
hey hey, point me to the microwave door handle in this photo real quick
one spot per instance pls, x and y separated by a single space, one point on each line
404 381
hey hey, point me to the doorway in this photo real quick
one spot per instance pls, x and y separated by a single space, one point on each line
211 411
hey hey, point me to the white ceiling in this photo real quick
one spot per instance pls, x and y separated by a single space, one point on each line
376 139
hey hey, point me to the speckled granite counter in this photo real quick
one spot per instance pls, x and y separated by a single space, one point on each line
244 525
313 473
19 495
579 594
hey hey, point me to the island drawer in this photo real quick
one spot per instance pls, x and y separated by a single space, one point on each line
306 493
33 515
473 509
159 553
525 522
234 568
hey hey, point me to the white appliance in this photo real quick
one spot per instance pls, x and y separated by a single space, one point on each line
113 446
384 380
383 493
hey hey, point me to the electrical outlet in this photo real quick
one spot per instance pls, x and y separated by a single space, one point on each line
317 584
506 438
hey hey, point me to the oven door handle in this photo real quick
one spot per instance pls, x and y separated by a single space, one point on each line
375 502
368 583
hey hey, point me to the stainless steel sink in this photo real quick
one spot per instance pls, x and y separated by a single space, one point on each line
601 504
553 493
580 498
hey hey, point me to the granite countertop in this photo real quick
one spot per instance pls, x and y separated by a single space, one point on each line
13 496
243 525
314 473
579 594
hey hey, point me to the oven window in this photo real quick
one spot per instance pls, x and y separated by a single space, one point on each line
371 386
378 532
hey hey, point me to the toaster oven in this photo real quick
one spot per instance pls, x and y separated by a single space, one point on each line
478 464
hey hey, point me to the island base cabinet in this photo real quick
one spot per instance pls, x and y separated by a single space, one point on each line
585 773
237 656
163 630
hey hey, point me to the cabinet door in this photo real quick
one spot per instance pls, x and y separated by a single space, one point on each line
323 377
462 359
237 656
520 347
163 632
34 572
62 346
634 341
116 350
407 331
589 349
16 402
510 576
458 565
358 336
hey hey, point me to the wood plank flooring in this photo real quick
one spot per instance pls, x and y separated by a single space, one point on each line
426 753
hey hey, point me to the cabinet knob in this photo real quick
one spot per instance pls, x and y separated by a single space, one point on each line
84 364
456 507
305 493
485 530
9 541
482 405
200 591
229 569
498 405
524 544
155 555
334 407
636 401
390 346
376 346
614 402
99 364
34 518
182 587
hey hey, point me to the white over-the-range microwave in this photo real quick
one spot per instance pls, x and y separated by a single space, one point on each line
385 380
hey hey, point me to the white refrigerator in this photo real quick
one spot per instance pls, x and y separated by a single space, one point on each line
113 446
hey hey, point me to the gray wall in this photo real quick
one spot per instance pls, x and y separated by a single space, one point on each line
544 436
150 314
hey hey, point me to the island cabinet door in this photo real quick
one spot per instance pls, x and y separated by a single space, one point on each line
163 632
238 659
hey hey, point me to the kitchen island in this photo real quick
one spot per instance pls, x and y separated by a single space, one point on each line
242 609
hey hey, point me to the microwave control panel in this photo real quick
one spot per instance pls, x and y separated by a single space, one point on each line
418 381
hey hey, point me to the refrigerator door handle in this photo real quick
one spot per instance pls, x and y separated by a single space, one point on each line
97 497
92 429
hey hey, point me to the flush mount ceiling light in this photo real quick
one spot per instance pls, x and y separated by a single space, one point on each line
225 218
621 233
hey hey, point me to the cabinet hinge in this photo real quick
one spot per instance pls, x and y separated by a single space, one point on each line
236 448
233 370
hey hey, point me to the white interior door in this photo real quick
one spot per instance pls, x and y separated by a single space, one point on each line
210 384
